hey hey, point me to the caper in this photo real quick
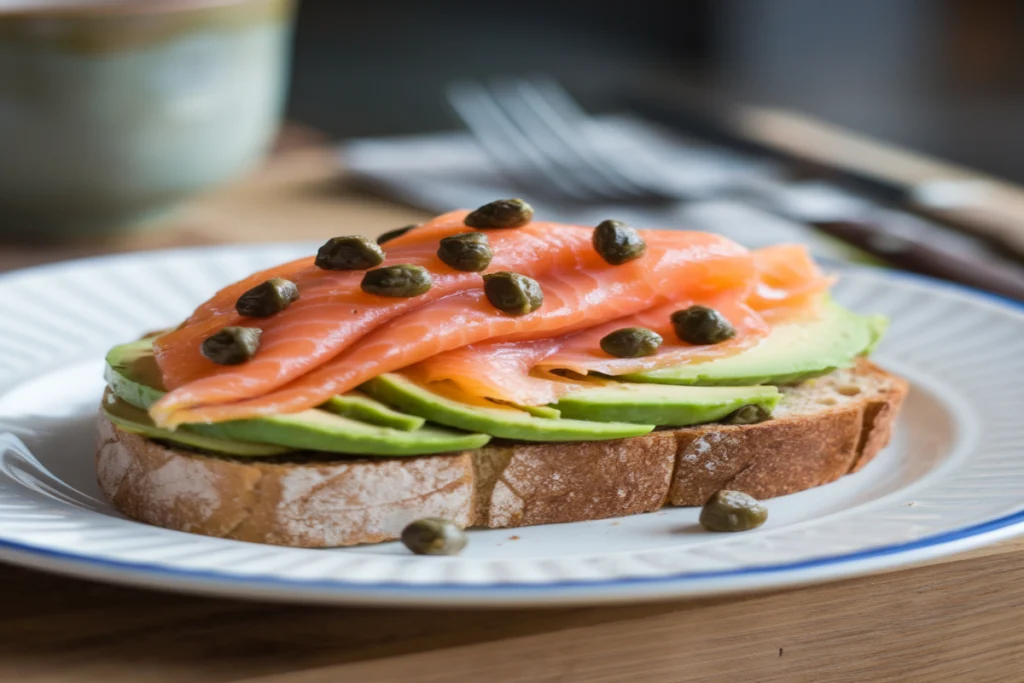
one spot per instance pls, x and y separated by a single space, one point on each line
397 232
702 325
732 511
470 251
273 296
631 342
399 281
354 252
434 536
503 213
747 415
513 293
618 243
232 345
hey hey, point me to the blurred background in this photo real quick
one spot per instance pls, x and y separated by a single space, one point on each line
942 76
206 121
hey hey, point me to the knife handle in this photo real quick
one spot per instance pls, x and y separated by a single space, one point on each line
920 257
991 208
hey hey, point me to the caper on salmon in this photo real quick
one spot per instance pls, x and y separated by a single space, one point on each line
434 536
397 281
631 342
702 325
268 298
618 243
513 293
469 252
503 213
354 252
232 345
747 415
392 234
732 511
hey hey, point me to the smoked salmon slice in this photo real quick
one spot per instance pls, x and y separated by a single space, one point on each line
302 271
334 313
788 284
580 290
177 351
508 376
503 371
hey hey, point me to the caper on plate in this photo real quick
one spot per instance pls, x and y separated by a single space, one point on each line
434 536
732 511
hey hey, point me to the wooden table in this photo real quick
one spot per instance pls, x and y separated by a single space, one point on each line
958 620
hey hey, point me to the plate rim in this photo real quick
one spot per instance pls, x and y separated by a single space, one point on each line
512 594
682 585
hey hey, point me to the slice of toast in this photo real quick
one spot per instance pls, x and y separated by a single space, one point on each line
821 430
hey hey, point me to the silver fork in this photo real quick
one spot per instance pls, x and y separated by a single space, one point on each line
535 132
537 135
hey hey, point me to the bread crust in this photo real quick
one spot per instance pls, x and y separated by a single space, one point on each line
352 501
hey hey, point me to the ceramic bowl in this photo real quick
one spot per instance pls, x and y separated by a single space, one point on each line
111 113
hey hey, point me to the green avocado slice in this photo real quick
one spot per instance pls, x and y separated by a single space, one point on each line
359 406
790 353
130 365
318 430
670 406
536 411
133 375
137 421
507 423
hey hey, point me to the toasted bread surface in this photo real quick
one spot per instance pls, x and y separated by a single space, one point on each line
822 430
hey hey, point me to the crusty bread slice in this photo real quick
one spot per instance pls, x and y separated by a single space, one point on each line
821 430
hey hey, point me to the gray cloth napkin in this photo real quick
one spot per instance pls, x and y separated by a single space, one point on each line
443 171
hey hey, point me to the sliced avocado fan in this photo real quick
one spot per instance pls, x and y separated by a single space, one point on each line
508 423
665 405
359 406
394 415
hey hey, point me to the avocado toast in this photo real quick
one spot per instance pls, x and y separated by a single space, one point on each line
495 371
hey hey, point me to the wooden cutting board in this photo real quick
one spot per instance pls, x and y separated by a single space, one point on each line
957 620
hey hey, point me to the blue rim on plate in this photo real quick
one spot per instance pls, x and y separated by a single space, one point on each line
973 532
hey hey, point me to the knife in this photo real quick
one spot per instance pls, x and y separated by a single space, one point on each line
852 208
959 197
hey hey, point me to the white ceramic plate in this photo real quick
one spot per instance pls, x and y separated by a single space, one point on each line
952 479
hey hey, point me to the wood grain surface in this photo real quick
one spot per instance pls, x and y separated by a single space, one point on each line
957 620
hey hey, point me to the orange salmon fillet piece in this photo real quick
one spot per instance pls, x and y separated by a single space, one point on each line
302 271
177 352
502 371
788 282
499 371
586 293
332 315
